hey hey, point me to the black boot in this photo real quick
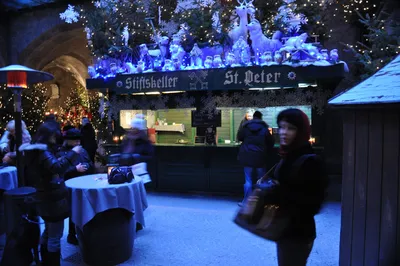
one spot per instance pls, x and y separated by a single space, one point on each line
71 238
53 259
43 254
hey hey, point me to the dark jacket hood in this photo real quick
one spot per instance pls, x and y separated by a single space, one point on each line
255 125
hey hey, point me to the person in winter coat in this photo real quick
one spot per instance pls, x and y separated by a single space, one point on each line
247 117
51 198
82 165
302 187
88 138
8 142
136 146
257 143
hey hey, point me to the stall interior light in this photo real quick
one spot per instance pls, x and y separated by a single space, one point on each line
170 92
264 89
138 93
153 93
306 85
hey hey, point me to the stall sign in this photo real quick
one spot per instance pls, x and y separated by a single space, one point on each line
257 77
209 79
164 81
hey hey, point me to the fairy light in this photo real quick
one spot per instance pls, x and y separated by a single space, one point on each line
34 99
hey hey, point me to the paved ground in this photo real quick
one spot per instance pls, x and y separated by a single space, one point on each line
198 231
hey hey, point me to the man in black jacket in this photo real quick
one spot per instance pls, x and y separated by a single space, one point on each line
88 138
257 144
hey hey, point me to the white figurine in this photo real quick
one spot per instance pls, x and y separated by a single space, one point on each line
278 57
334 55
140 66
241 29
238 47
195 57
217 62
208 62
259 42
230 59
168 65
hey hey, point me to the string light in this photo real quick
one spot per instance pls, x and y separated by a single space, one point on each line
34 105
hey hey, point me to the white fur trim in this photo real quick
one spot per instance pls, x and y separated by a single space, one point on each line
29 147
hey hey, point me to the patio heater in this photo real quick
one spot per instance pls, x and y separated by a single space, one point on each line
18 78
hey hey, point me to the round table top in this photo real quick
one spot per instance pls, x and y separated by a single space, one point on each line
96 181
8 169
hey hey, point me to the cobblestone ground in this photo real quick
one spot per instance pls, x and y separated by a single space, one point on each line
197 230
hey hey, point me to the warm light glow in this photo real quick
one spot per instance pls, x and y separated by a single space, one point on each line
312 140
170 92
116 139
17 79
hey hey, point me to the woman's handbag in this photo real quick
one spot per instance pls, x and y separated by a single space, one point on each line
262 218
260 214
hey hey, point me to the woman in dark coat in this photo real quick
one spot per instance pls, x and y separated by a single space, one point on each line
303 183
52 195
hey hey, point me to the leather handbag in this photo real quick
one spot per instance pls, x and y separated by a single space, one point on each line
261 213
258 216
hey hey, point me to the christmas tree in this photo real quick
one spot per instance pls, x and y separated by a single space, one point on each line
76 106
34 105
381 38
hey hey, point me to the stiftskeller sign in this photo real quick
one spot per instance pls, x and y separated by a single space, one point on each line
155 81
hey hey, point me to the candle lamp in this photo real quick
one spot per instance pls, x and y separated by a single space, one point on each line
18 78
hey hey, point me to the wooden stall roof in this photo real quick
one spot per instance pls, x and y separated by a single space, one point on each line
381 88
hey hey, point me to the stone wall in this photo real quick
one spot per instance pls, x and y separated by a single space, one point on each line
65 82
29 25
3 39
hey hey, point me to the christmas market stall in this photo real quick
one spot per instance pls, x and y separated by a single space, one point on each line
196 83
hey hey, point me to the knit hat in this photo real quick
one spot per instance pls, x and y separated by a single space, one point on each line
139 123
72 134
300 120
257 114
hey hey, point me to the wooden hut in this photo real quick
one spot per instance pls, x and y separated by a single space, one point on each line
370 227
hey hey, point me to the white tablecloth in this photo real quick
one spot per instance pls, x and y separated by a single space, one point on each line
91 194
8 178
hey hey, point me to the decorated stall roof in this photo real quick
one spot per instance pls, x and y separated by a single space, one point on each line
381 88
203 45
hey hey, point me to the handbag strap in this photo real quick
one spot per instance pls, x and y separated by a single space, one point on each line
297 164
269 171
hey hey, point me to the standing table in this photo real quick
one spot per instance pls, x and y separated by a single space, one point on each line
105 217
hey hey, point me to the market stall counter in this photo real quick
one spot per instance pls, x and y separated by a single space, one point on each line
199 168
